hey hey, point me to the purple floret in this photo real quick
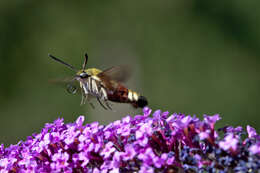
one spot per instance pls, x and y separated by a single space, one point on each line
157 142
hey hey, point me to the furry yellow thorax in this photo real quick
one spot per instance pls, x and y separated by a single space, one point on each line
90 71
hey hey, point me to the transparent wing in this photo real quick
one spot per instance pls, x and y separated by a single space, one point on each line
116 73
70 84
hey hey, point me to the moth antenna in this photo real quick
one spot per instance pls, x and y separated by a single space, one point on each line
85 62
62 62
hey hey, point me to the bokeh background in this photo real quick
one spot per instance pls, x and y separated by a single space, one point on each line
195 57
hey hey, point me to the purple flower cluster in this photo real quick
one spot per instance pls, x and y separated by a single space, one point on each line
144 143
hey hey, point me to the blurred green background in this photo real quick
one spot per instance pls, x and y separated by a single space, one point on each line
194 57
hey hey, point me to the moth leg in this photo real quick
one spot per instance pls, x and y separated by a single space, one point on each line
82 95
107 104
91 104
82 99
85 99
101 103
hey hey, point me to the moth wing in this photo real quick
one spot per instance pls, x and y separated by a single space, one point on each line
114 75
117 73
71 84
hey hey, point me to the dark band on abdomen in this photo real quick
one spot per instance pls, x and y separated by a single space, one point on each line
124 95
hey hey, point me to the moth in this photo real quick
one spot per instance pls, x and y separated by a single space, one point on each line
105 86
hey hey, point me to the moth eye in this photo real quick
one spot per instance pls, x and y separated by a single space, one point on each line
71 89
83 75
